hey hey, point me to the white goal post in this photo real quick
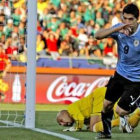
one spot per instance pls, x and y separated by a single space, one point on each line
17 105
31 63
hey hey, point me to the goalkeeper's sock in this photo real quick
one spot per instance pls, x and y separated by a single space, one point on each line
115 122
137 111
106 119
98 127
135 118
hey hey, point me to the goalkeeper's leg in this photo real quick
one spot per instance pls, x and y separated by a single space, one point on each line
135 118
131 123
98 127
125 125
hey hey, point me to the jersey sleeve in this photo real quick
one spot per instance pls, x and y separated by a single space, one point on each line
115 34
76 114
79 120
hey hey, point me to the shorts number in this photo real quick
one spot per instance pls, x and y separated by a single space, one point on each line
126 49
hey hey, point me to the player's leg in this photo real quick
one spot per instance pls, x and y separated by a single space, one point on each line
125 125
128 123
135 118
113 93
98 127
129 101
94 119
97 108
96 112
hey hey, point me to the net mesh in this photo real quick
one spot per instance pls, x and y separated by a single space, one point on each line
13 42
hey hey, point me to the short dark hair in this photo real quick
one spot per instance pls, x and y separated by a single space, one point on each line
131 8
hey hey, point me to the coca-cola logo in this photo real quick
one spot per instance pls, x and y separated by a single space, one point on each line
79 89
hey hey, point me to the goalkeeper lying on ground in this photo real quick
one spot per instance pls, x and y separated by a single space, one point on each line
88 111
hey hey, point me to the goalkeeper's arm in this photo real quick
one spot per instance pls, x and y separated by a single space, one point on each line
72 129
78 126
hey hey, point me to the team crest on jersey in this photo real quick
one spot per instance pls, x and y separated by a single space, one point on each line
136 43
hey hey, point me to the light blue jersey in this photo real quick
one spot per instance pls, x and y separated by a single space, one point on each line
128 64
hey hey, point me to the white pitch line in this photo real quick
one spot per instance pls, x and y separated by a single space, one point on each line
65 137
54 134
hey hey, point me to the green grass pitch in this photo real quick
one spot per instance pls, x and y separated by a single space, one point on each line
46 120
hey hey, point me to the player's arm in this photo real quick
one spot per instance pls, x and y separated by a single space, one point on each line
103 33
79 121
8 65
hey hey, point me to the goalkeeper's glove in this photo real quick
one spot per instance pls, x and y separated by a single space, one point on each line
72 129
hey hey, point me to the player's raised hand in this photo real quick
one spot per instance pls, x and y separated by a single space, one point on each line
125 29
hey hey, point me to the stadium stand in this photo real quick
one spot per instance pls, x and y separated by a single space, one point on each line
65 28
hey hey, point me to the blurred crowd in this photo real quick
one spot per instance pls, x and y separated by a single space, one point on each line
64 27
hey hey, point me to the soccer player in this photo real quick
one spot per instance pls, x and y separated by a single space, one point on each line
126 81
88 111
5 65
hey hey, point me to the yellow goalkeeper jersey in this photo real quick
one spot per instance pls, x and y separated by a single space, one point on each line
87 106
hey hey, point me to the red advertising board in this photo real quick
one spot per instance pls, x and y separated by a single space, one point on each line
57 88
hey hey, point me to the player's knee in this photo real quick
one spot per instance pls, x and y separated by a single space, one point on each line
107 106
121 112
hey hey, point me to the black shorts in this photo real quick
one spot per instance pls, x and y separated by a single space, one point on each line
126 90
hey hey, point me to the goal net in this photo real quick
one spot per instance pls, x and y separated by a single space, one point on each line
17 62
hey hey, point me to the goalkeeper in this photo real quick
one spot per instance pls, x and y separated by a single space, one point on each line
88 111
